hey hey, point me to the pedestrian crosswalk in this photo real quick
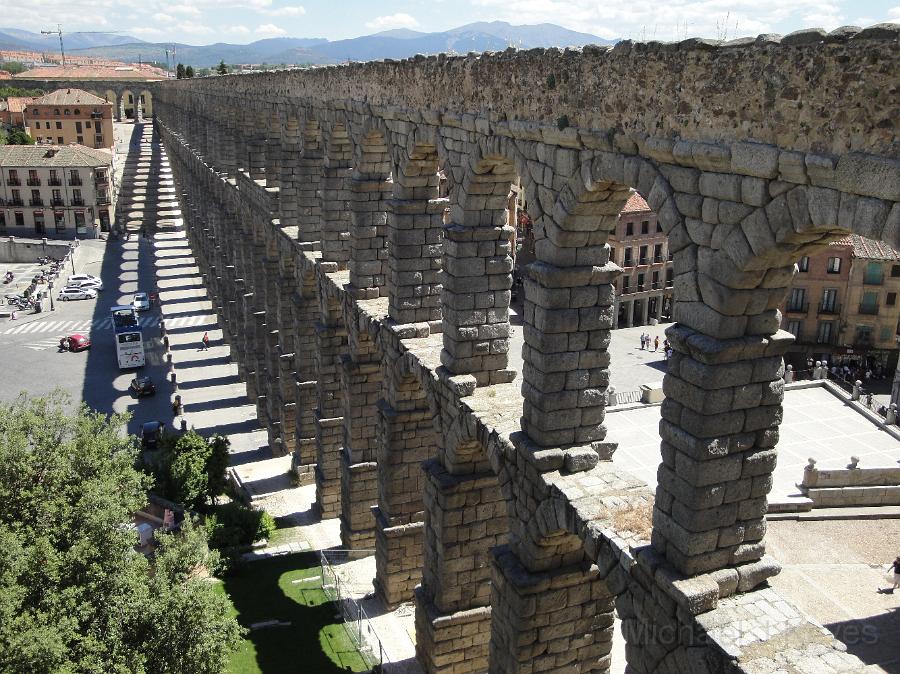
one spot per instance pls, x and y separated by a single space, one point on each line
68 327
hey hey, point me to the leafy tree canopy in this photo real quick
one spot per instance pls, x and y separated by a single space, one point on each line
222 69
189 72
13 67
74 595
179 71
18 137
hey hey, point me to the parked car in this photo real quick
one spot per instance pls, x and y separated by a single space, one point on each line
94 283
72 293
84 277
142 386
141 302
150 432
76 342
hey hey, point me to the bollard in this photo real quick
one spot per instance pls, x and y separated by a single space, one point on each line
891 417
857 389
183 424
166 343
612 398
789 374
173 378
169 357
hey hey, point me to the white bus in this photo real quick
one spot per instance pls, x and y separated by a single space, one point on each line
129 337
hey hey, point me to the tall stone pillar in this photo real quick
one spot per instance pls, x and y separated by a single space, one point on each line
645 310
465 517
629 314
331 346
308 181
370 188
406 438
415 220
274 146
361 383
477 275
335 198
306 313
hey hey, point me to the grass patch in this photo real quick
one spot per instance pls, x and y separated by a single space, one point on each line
286 531
638 519
316 641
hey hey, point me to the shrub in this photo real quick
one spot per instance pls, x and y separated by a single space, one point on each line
235 525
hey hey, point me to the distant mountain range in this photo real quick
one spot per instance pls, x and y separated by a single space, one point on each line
395 44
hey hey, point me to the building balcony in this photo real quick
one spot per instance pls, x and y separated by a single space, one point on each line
14 182
78 202
669 283
103 201
656 285
832 308
628 262
873 280
54 182
101 179
830 340
34 182
57 202
15 202
863 343
868 309
36 202
644 260
797 307
657 259
75 182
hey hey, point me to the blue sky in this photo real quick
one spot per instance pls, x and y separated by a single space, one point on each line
242 21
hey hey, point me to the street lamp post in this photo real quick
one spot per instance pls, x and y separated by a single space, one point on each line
50 286
72 256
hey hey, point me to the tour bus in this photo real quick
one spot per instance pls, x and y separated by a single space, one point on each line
129 338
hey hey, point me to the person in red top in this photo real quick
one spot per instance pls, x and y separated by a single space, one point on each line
205 341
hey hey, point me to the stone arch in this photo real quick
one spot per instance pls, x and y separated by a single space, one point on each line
127 104
145 100
335 191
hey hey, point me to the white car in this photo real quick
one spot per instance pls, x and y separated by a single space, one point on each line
141 302
72 293
83 277
93 283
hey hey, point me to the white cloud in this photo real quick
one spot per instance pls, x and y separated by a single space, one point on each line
187 10
399 20
145 30
193 28
159 16
238 30
270 30
894 13
289 10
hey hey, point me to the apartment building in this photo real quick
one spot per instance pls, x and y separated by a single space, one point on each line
12 110
63 192
644 293
69 116
843 303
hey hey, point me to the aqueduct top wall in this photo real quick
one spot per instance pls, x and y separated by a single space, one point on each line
374 330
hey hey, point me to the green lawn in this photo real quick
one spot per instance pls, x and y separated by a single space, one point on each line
316 640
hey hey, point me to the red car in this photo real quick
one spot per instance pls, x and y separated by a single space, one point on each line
74 342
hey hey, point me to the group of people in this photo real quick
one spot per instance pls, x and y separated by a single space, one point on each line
647 341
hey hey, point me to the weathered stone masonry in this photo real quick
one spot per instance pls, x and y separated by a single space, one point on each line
491 502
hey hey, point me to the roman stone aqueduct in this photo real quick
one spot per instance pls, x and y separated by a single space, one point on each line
372 328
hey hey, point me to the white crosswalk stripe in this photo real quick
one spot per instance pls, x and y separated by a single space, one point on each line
39 326
43 345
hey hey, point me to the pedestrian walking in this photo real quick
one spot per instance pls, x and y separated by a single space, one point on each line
205 341
13 315
892 577
656 343
642 341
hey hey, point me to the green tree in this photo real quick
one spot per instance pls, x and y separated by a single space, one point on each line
13 67
179 71
191 470
74 596
222 69
189 72
217 466
19 137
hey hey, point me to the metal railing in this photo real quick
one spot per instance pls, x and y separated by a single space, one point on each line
75 182
873 280
624 397
15 182
357 623
797 307
54 182
34 182
36 202
57 202
829 308
868 309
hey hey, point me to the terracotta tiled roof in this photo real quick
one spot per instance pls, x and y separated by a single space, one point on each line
869 249
5 75
125 72
15 156
635 204
70 97
17 103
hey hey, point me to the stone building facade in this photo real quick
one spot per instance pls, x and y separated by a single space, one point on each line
843 305
373 331
69 116
63 191
639 246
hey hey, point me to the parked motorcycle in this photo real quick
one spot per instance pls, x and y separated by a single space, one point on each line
8 277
